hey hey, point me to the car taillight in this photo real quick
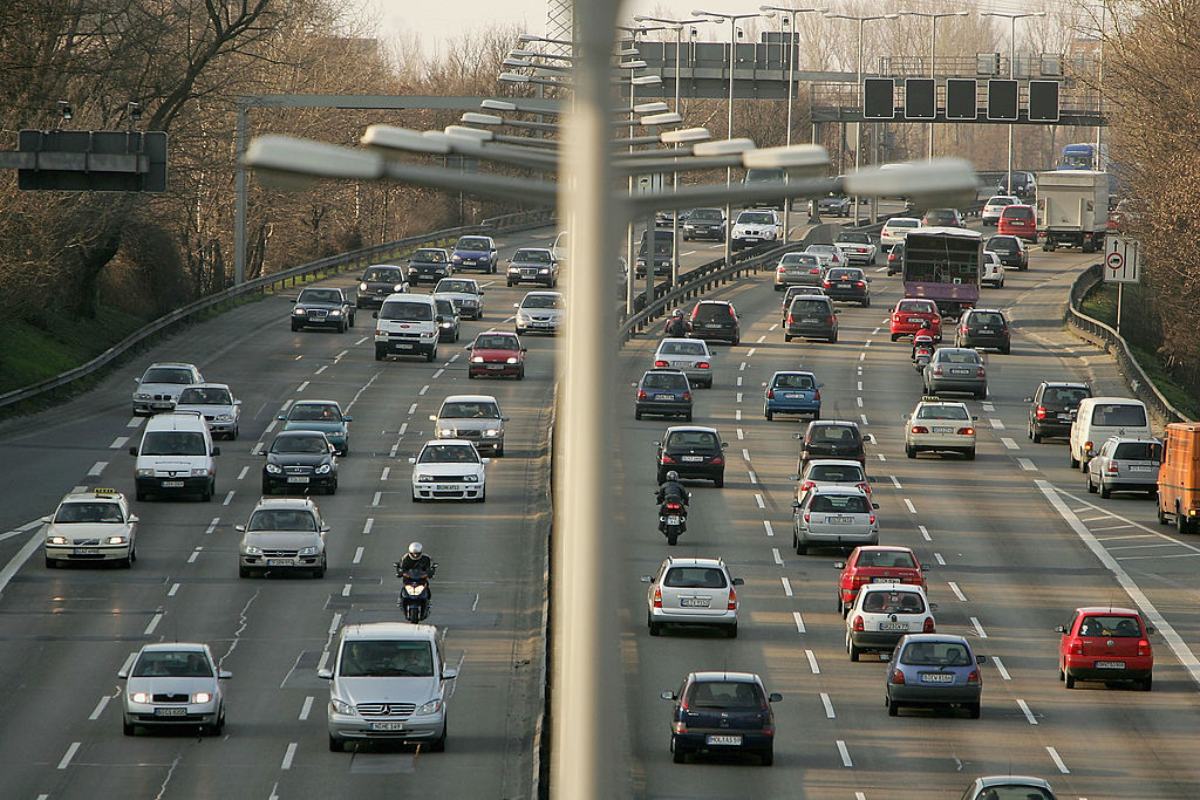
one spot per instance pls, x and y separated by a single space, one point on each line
770 394
966 431
919 429
703 365
815 271
804 487
718 460
859 284
826 284
1144 647
937 320
928 627
789 319
871 519
807 516
817 395
866 487
973 677
858 623
937 370
1077 648
1112 469
660 363
859 580
832 319
687 395
732 600
657 597
679 727
895 317
666 459
980 372
1088 446
767 728
896 677
1040 412
641 394
781 270
963 330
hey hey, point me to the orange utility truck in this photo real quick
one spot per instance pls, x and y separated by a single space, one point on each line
1179 477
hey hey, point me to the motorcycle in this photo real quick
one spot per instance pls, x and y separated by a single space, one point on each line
922 351
415 596
672 519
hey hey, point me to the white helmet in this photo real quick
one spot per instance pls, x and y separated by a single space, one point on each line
415 549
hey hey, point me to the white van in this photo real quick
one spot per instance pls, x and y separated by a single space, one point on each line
176 457
1099 418
407 325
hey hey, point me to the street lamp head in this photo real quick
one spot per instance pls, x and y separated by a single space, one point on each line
389 139
646 80
660 120
804 160
525 38
513 77
942 179
631 64
723 147
473 134
498 105
475 118
516 63
284 162
685 136
655 107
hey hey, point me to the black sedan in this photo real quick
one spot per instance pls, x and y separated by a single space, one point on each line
429 264
300 462
848 285
693 452
377 283
323 308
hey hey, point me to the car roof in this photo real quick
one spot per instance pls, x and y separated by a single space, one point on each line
95 495
1102 400
936 637
884 548
714 303
793 372
427 299
535 249
182 364
207 385
495 332
894 586
448 441
985 310
666 339
469 398
168 647
390 266
1018 780
710 676
817 423
1068 384
543 294
298 433
695 428
694 562
1138 439
956 350
902 219
285 502
176 421
459 278
315 403
924 300
839 489
389 630
832 462
921 403
1115 610
664 370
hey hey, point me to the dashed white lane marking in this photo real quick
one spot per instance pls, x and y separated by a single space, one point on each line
758 498
773 327
412 409
911 508
997 424
302 387
739 397
862 356
334 623
825 701
978 628
860 386
989 406
742 368
787 585
775 555
134 422
438 374
454 357
799 620
863 417
863 795
99 709
753 477
173 590
258 446
1057 759
812 662
346 590
97 469
957 592
360 341
229 497
212 525
740 434
739 380
288 403
860 402
375 500
288 756
358 554
895 482
306 709
424 389
71 751
370 523
242 474
941 561
383 476
157 618
1025 710
1009 443
882 457
322 369
79 489
119 442
737 415
876 331
195 554
867 343
845 754
925 533
763 338
745 455
403 428
271 425
1027 465
750 353
297 358
1001 668
767 526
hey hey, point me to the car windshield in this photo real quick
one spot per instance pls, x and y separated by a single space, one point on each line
712 312
854 238
839 504
205 397
835 473
444 307
904 223
466 287
1017 212
706 215
168 375
534 256
384 275
281 519
940 216
473 243
936 654
89 512
794 381
1070 395
942 412
1002 244
407 311
893 603
173 443
987 319
957 356
664 380
496 342
845 275
1138 451
470 410
436 256
320 296
682 349
448 454
1110 626
300 444
755 218
1118 415
374 658
315 412
761 175
694 578
886 558
833 434
542 301
173 664
916 307
698 440
724 694
811 307
799 260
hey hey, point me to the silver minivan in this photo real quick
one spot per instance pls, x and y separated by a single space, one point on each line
692 591
1125 464
388 681
834 516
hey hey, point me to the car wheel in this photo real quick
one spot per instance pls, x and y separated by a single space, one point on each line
415 498
1162 517
128 728
637 414
207 495
731 631
1037 437
1105 492
1181 523
893 708
970 454
1069 679
687 417
767 757
219 728
1087 482
471 375
1006 349
319 572
1074 462
801 548
866 303
431 356
127 561
852 650
336 745
438 745
378 354
655 628
834 339
243 572
910 451
894 337
295 327
51 563
141 496
787 338
1148 684
677 755
767 413
521 374
975 710
719 482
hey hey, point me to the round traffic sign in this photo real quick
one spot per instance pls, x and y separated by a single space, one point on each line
1115 261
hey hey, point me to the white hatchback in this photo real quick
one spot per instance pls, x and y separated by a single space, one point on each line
941 426
993 271
449 469
834 516
883 613
832 472
992 208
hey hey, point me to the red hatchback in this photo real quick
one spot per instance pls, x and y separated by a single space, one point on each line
1102 643
497 354
876 564
1018 221
908 315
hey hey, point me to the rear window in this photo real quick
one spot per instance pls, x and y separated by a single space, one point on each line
1138 451
794 382
935 654
957 356
886 558
406 310
1017 212
1069 395
682 349
845 275
724 694
694 578
836 473
834 434
664 380
986 319
839 504
1119 415
942 412
1016 793
854 238
713 312
903 223
706 215
916 306
893 603
811 307
1002 244
799 260
1111 626
695 439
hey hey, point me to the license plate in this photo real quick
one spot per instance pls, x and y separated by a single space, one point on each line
1141 469
959 371
694 602
940 429
839 520
470 262
986 330
664 397
1110 665
810 321
681 363
387 726
446 487
172 484
915 320
692 459
673 519
170 712
297 479
279 562
884 580
893 626
495 366
843 286
87 551
402 346
734 741
794 396
937 677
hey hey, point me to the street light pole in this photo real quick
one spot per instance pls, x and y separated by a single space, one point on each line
933 17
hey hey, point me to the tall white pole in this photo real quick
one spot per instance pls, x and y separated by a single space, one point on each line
729 135
1012 66
675 173
791 51
1096 162
933 74
859 126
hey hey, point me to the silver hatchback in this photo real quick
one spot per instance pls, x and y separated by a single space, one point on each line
834 516
1125 465
692 591
691 356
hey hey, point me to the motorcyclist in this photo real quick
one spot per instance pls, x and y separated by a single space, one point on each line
672 489
415 558
677 326
925 330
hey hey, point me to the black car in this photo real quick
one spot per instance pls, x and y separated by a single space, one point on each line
449 327
377 283
831 439
715 320
323 308
693 452
429 264
533 265
848 285
811 317
984 327
720 713
665 392
1050 408
475 252
895 259
300 462
664 251
1010 250
704 223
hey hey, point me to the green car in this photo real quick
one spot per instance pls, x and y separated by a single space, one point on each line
320 415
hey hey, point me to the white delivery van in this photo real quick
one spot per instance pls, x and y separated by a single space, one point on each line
176 456
407 325
1099 418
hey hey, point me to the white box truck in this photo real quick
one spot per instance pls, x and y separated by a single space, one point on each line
1072 209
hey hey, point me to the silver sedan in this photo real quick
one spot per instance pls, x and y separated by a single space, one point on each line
173 684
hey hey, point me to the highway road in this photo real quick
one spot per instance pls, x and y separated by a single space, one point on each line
1009 537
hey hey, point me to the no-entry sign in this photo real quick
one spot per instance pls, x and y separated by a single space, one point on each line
1122 260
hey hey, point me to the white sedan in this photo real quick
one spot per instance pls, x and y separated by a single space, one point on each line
449 469
91 526
940 425
828 254
993 271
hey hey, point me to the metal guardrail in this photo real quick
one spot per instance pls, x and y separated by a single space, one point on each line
1101 334
354 259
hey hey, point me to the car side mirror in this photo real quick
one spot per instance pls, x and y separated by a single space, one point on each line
1150 630
980 659
133 450
486 460
449 673
837 311
524 349
667 695
505 419
439 318
237 402
774 697
433 417
924 568
294 299
795 504
374 315
325 673
240 528
324 529
281 417
1074 414
123 674
412 461
516 305
137 380
647 579
634 385
975 418
224 675
724 445
875 506
798 436
216 451
482 292
739 581
839 565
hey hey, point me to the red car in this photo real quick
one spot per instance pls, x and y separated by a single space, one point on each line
908 315
876 564
1103 643
497 354
1018 221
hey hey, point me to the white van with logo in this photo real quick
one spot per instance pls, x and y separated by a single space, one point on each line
407 325
176 456
1099 418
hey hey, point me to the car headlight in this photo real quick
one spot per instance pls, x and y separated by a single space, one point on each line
470 478
251 550
199 473
298 311
335 313
340 706
139 697
544 271
491 432
224 417
145 473
428 335
362 287
447 325
117 540
432 707
513 269
424 479
202 697
323 469
476 359
56 540
274 469
142 396
308 551
399 287
456 258
510 360
445 432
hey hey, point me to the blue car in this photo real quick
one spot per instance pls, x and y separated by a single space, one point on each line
934 670
475 253
320 415
792 392
663 391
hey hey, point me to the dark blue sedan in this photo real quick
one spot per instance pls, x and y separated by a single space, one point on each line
474 253
934 670
663 391
792 392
